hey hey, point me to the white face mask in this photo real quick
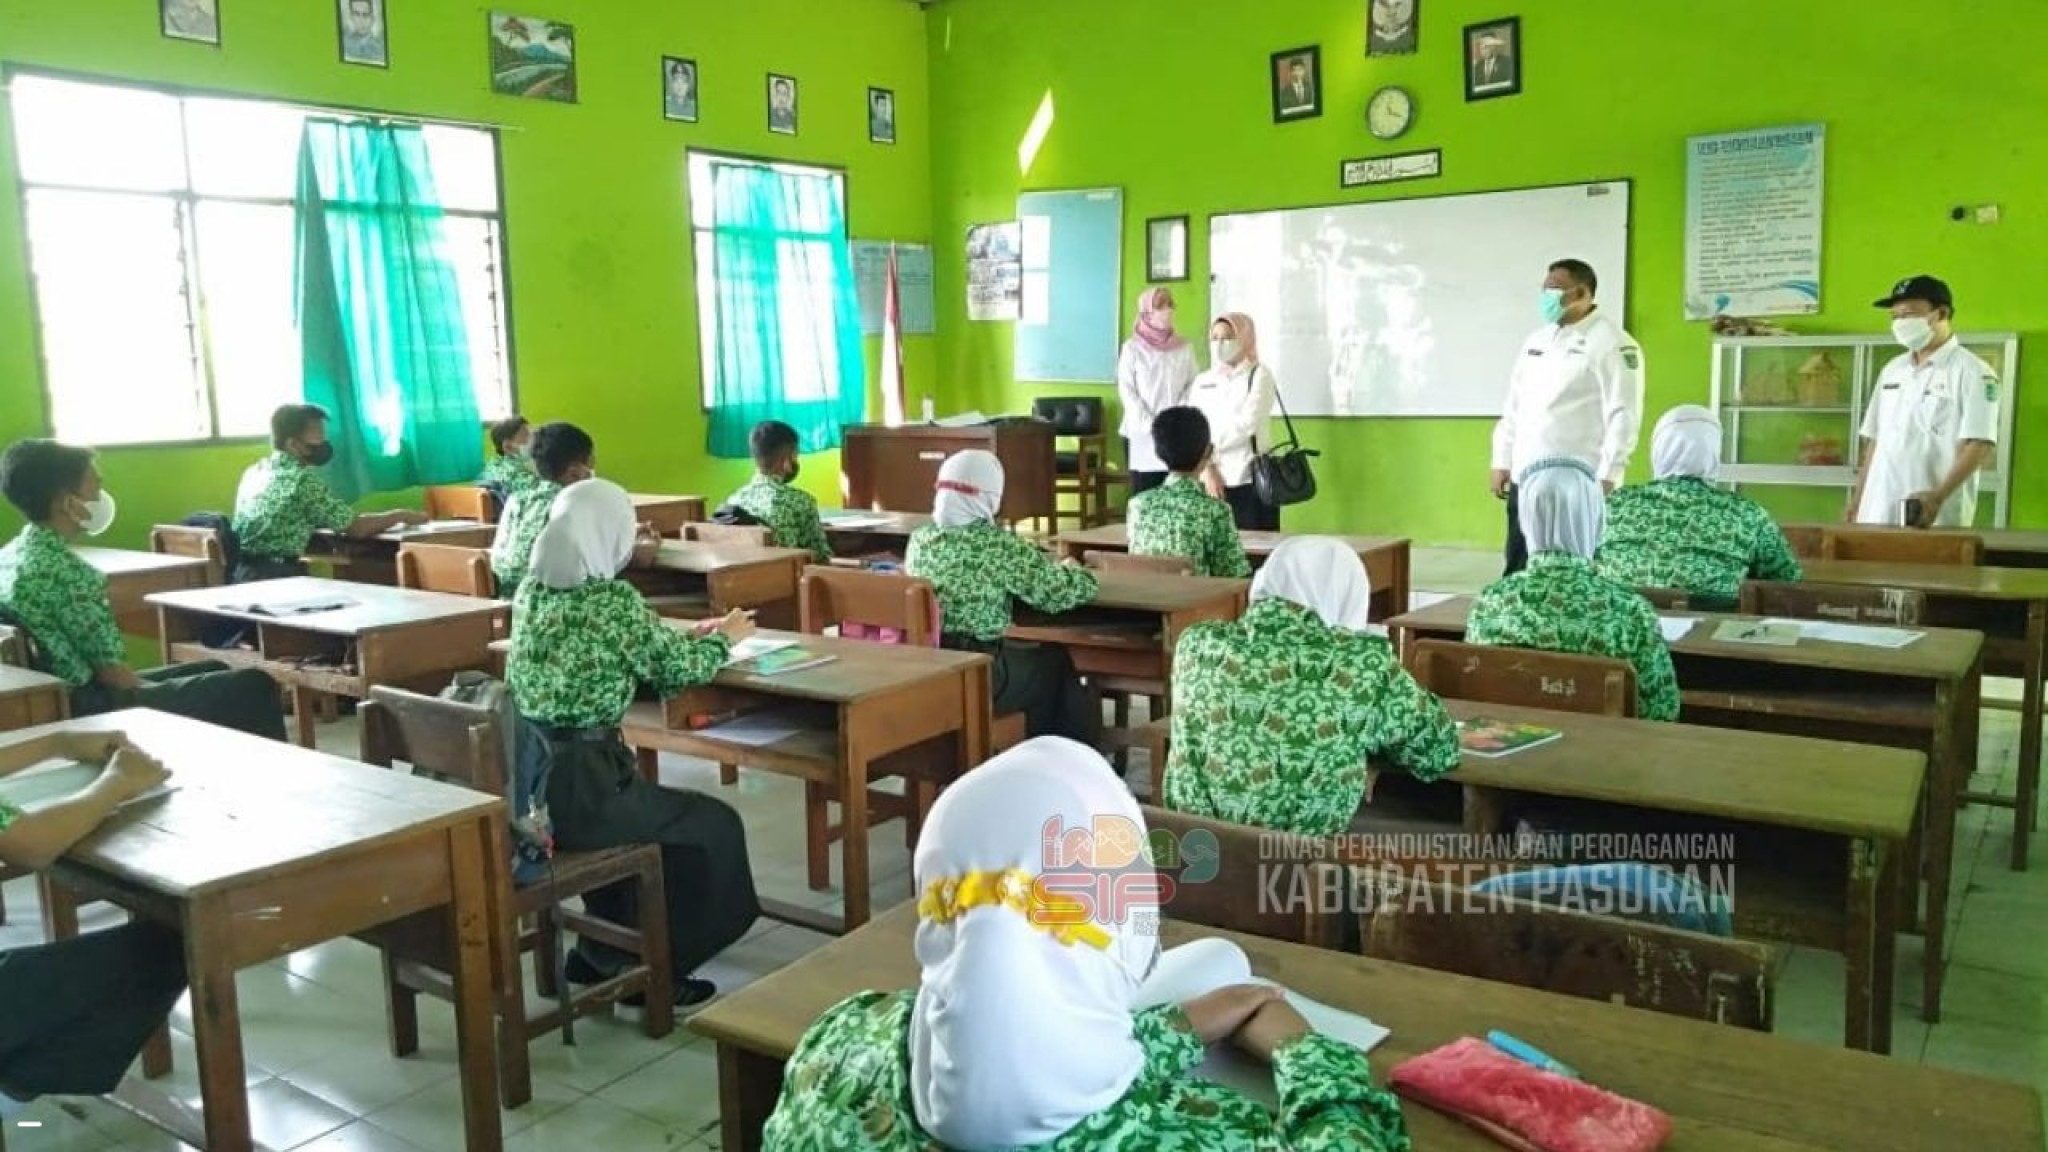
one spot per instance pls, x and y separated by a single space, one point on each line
1224 351
99 514
1913 332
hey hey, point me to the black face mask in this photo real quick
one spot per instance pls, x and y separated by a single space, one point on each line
318 454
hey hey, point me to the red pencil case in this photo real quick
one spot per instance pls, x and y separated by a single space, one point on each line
1523 1106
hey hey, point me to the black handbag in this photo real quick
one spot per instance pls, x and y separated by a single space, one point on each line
1282 476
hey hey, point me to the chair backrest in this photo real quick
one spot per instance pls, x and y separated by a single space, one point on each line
1667 599
1220 871
1127 562
1070 415
14 647
1643 965
729 534
1855 604
1805 540
462 743
197 543
860 603
1526 678
446 568
461 502
1895 547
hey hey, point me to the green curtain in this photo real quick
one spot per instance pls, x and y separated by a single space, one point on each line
382 342
787 319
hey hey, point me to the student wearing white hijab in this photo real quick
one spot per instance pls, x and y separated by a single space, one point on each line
1275 714
1026 1030
980 570
1680 531
1558 603
583 645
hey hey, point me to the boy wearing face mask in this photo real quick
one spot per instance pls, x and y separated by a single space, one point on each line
1931 424
790 514
61 601
282 502
510 472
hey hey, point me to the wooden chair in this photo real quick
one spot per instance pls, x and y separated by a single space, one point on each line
1641 965
1526 678
1220 871
465 744
751 534
1128 562
1078 470
1892 546
461 502
197 543
1854 604
445 568
1805 540
1667 599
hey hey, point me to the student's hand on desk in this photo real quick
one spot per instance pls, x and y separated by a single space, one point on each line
132 772
1221 1013
1274 1026
90 747
737 625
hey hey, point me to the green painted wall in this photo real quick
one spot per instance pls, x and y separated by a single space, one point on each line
602 304
1167 99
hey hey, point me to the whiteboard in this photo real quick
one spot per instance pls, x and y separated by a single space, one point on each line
1410 307
1073 245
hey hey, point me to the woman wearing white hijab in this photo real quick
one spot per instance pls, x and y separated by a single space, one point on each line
1026 1030
1153 373
980 570
1275 714
1680 531
1559 604
583 644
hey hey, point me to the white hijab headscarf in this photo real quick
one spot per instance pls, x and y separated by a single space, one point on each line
589 535
1321 575
1018 1035
1562 507
970 489
1687 442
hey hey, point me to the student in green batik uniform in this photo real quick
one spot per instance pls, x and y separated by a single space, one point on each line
61 601
75 1013
790 514
1682 532
1559 604
1038 1024
562 454
978 569
1276 714
281 501
510 470
1179 518
583 643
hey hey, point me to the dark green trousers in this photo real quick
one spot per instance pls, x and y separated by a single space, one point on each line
244 699
74 1014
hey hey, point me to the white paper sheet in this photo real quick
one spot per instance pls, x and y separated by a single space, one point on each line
858 521
756 729
754 646
1676 628
963 420
1868 635
41 784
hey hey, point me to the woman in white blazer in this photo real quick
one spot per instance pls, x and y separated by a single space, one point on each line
1153 373
1236 394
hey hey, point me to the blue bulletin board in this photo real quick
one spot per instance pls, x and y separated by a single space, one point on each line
1068 326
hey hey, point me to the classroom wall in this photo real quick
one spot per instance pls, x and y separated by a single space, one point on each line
1926 107
601 282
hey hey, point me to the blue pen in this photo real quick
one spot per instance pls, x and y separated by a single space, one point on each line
1528 1054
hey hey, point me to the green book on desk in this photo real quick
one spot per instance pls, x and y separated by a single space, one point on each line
782 660
1492 739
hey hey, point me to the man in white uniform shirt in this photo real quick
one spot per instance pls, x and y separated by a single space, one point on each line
1932 422
1576 390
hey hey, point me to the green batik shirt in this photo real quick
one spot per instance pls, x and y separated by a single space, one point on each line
526 513
789 514
281 503
1559 604
8 815
979 569
511 475
1276 714
62 601
1179 519
580 654
1686 534
847 1089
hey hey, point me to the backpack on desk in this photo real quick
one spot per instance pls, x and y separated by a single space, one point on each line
526 775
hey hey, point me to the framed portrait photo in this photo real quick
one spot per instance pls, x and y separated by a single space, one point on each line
679 89
194 20
782 104
1493 59
1166 249
1297 79
1391 27
881 116
364 39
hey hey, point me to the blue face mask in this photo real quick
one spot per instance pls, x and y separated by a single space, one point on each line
1553 305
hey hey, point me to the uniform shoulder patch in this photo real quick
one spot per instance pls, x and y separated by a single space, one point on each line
1991 389
1632 356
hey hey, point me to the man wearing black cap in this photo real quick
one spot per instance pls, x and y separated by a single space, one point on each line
1932 422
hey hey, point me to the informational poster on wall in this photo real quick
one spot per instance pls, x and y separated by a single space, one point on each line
995 271
1753 222
913 285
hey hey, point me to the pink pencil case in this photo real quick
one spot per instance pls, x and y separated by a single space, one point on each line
1525 1107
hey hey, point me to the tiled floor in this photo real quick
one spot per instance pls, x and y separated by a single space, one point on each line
322 1079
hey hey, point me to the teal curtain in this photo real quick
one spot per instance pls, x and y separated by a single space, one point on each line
382 342
787 318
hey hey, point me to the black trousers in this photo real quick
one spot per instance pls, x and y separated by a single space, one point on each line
74 1014
1517 549
244 699
1038 680
1251 513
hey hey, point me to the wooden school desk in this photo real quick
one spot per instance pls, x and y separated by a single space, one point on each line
668 514
264 849
396 636
132 576
728 576
1923 696
844 718
2003 547
29 697
1727 1089
2008 605
855 533
374 559
1865 799
1385 557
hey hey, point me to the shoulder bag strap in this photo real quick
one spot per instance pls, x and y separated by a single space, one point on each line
1252 385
